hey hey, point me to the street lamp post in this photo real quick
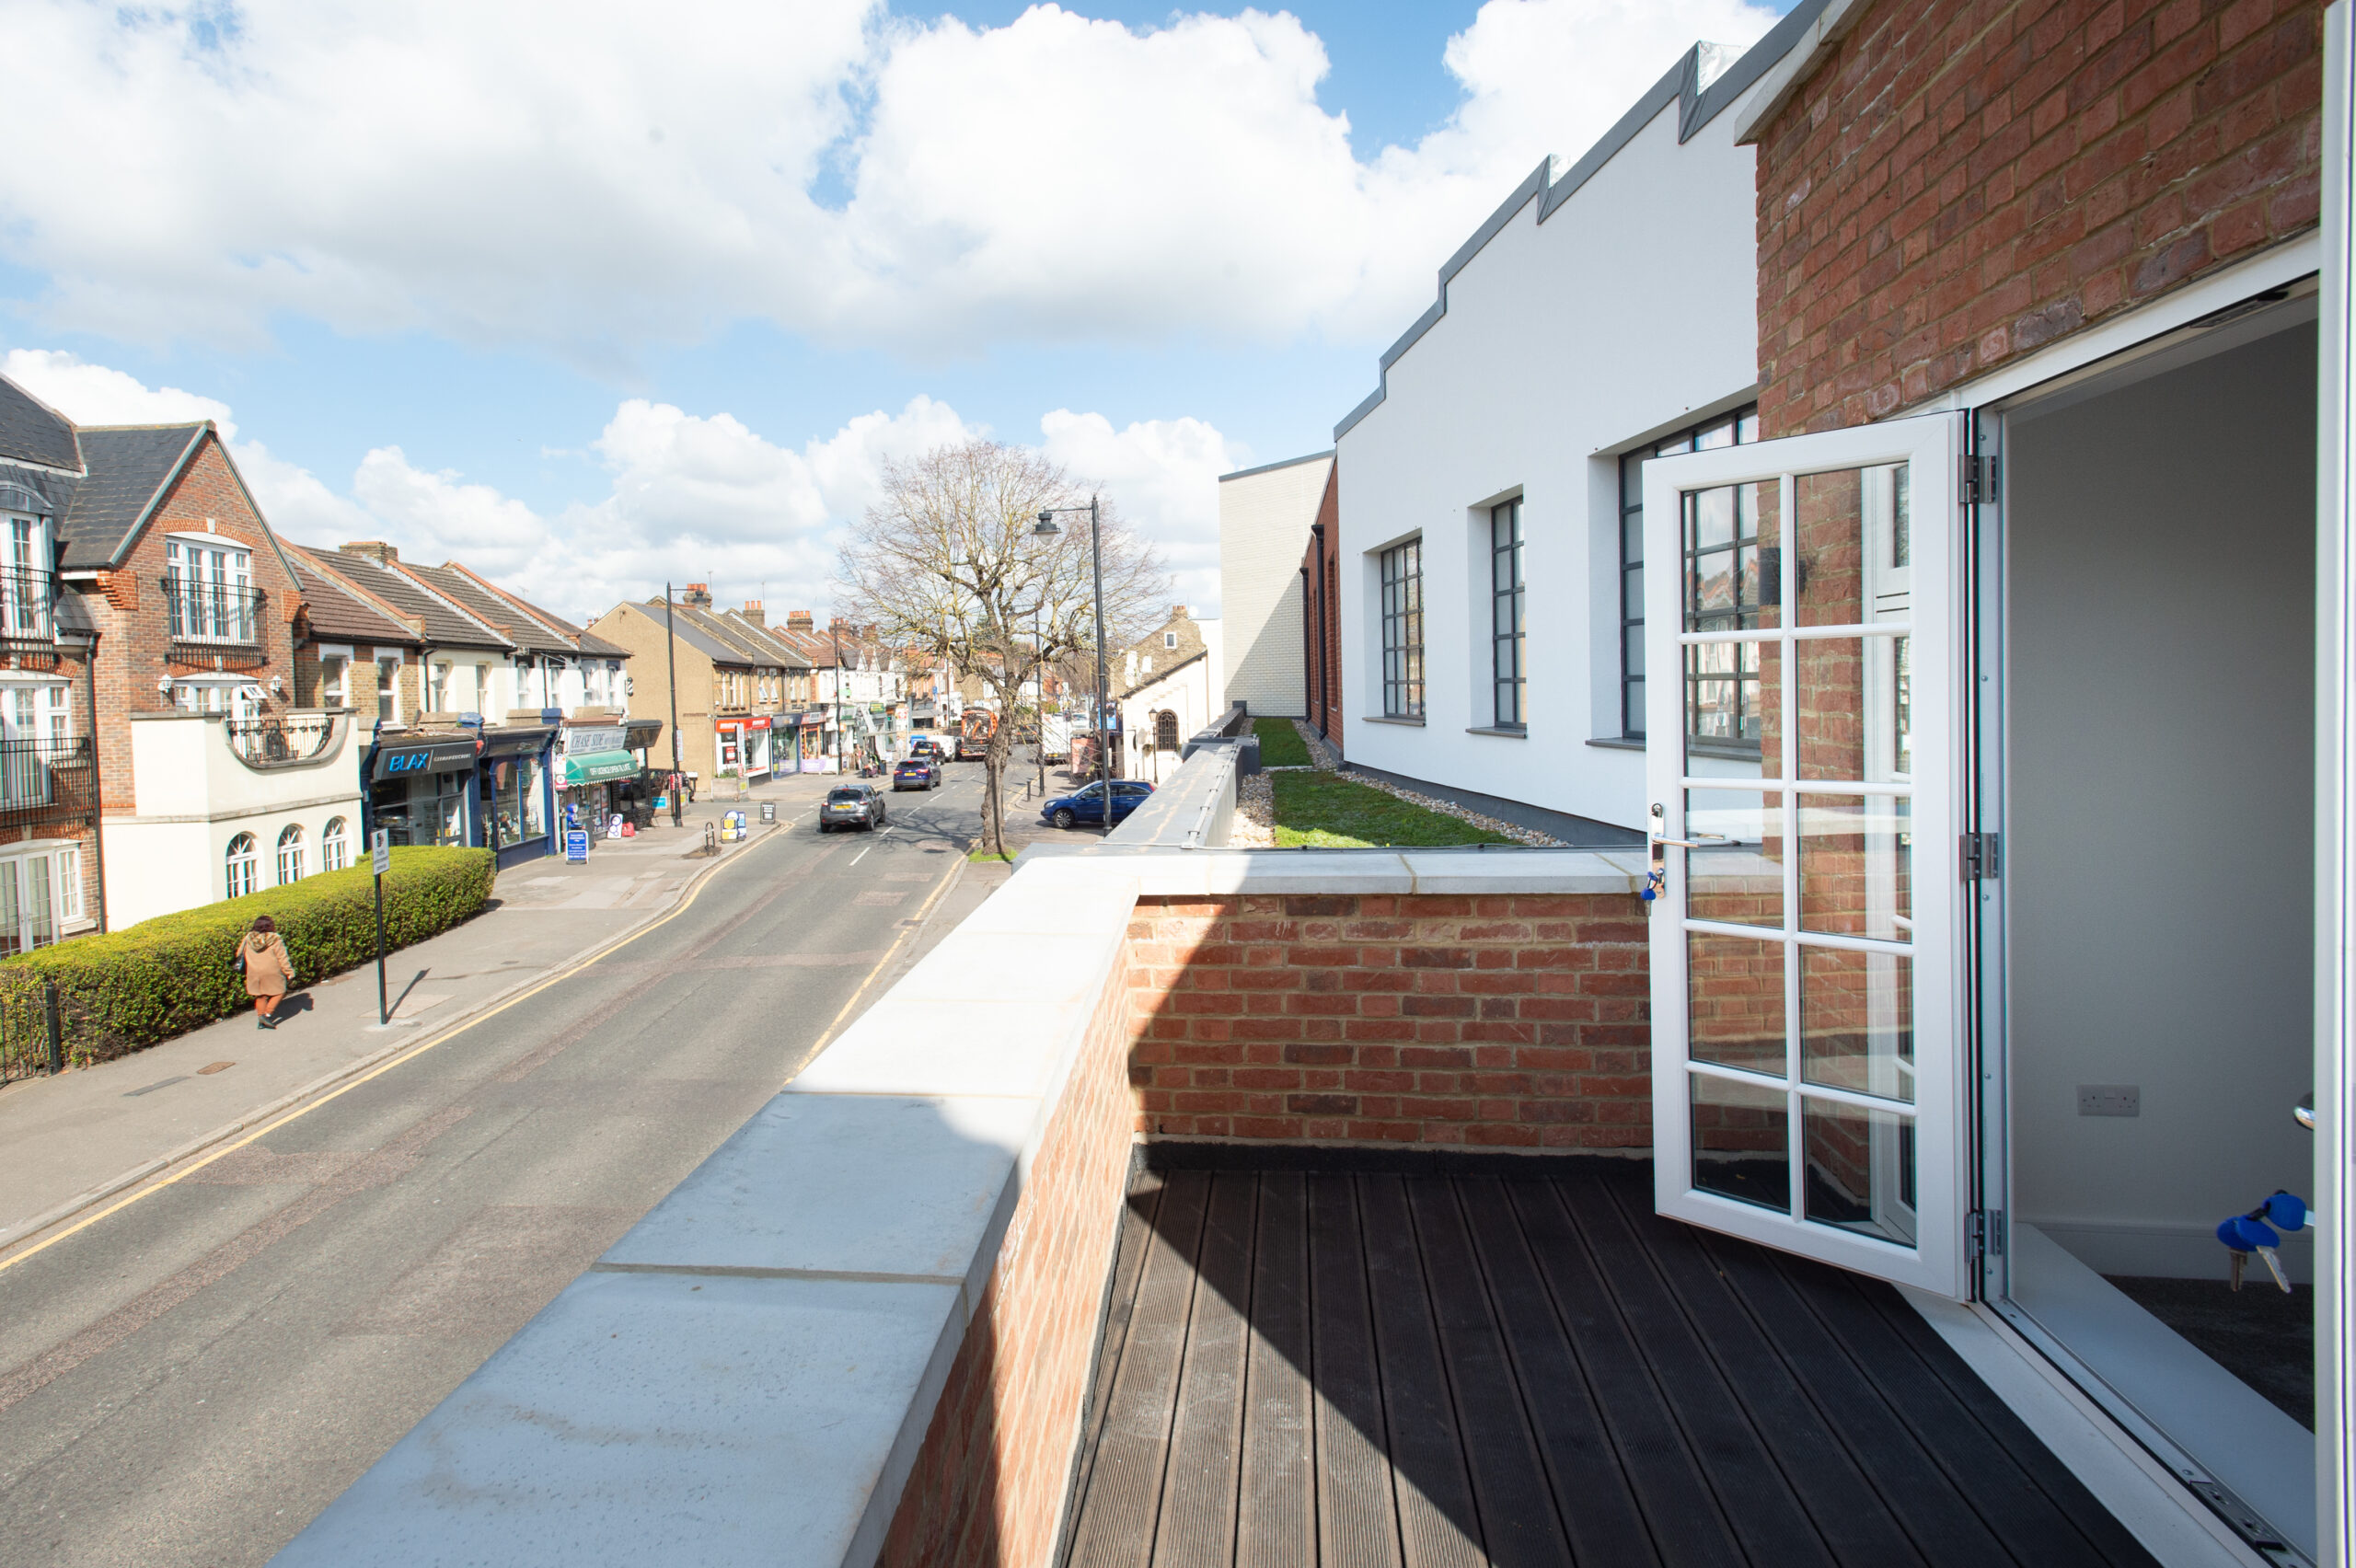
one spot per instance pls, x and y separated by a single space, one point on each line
1096 721
671 653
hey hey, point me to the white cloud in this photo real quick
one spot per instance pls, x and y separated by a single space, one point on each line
596 175
689 497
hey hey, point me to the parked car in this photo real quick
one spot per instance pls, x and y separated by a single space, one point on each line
916 773
852 805
929 749
1087 802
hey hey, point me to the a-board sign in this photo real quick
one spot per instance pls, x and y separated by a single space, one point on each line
380 851
576 846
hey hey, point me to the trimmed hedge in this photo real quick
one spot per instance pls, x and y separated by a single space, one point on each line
130 990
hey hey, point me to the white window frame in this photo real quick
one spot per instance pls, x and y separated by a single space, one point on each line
341 689
225 565
291 854
335 843
241 875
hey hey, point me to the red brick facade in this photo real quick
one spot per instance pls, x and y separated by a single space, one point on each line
1494 1022
136 652
989 1482
1321 613
1957 184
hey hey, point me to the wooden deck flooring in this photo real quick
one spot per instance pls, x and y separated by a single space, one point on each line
1388 1369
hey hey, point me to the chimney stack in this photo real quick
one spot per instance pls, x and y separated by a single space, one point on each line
800 620
754 613
374 549
698 596
1178 612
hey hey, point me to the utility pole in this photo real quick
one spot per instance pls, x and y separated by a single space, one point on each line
1104 762
835 630
671 648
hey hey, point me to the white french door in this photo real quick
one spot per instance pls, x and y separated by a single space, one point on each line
1800 627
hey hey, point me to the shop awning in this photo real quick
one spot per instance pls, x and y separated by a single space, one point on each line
516 740
595 767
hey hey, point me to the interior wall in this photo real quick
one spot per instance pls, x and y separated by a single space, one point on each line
2160 544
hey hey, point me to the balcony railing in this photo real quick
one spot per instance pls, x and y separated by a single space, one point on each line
211 612
28 605
265 741
44 780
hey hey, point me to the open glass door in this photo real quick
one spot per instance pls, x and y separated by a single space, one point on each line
1808 1074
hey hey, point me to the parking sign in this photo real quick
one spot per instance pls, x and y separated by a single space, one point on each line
380 849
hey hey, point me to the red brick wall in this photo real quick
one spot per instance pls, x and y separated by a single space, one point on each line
136 651
989 1482
1957 184
1321 613
1516 1022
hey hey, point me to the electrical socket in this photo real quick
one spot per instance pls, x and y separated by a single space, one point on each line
2110 1100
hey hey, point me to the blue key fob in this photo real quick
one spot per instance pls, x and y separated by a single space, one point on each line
2287 1210
2244 1234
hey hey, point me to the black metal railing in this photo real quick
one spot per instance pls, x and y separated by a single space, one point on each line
211 612
32 1035
46 780
266 740
28 605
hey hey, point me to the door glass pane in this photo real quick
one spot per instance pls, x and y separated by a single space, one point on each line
1730 694
1860 1170
1730 534
1857 866
1857 1021
1853 535
1740 1142
1856 708
1741 881
1735 1001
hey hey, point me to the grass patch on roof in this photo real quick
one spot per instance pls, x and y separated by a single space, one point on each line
1281 744
1324 810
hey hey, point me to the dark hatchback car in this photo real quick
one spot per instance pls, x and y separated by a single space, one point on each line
916 773
1087 802
852 805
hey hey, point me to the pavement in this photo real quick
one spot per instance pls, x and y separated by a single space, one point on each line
81 1137
191 1369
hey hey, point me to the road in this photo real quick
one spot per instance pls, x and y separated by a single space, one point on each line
191 1378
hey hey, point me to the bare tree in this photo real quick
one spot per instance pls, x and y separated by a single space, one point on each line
949 561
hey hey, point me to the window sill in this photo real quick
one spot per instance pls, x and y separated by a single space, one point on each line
1382 719
1516 733
1619 743
1703 749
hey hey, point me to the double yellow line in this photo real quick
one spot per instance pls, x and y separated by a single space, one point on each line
694 889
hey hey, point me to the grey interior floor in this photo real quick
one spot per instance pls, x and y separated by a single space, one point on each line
1370 1362
2260 1335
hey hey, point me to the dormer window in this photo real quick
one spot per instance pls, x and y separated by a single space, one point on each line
26 583
208 589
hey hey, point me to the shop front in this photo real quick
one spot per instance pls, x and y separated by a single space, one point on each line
635 796
744 748
514 785
597 775
815 758
418 788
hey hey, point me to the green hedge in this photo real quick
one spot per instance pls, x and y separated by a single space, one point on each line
130 990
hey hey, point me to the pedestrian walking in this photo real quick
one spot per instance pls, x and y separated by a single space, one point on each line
262 959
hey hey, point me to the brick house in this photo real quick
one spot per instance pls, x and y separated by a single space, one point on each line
1168 685
716 677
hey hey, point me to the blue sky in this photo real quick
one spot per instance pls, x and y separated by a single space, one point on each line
509 280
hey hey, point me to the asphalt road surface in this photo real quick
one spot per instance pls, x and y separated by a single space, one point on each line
191 1378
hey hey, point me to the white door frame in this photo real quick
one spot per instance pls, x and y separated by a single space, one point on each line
1929 444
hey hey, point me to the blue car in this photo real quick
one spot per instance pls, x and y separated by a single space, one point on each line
1087 803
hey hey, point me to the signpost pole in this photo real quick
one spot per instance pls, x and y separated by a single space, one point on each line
380 855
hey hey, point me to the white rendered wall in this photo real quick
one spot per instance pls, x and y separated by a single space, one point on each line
1629 313
1263 521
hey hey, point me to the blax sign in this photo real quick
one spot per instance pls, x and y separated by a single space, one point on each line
433 757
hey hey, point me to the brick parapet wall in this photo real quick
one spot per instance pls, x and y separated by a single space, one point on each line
1516 1022
1957 184
989 1482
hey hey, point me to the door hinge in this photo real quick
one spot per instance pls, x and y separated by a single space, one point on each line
1982 856
1983 1233
1975 480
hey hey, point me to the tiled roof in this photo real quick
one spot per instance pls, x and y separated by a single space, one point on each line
505 616
129 466
586 642
441 621
773 647
32 432
719 650
338 614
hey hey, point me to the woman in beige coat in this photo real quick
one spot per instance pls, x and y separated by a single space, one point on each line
269 971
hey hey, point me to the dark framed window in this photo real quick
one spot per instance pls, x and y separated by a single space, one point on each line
1403 631
1506 613
1740 427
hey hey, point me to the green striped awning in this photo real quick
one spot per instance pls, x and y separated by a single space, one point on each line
595 767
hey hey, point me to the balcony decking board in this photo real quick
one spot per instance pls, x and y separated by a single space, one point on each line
1525 1365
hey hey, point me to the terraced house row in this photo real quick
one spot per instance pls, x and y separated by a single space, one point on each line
187 700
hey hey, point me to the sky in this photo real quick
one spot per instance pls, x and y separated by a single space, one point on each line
599 295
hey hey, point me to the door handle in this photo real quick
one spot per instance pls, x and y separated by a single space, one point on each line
1698 841
2303 1113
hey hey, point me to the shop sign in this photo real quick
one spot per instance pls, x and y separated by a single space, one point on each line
576 846
595 767
417 760
580 739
